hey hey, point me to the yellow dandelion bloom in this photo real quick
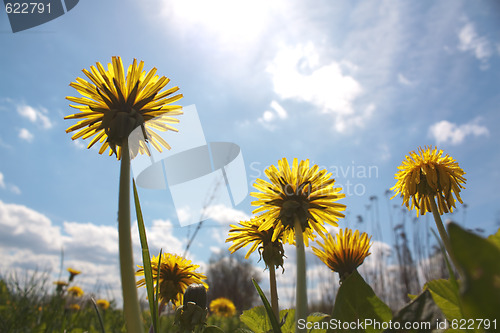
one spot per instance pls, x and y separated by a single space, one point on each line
72 273
61 283
176 274
426 175
75 307
75 291
103 304
222 307
344 253
302 192
248 233
114 103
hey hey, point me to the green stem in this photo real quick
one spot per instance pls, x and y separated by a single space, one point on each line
274 292
131 309
442 230
301 291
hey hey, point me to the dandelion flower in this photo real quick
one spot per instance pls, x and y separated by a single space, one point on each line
75 291
223 307
116 102
248 233
75 307
344 253
60 283
176 274
72 273
426 175
302 192
103 304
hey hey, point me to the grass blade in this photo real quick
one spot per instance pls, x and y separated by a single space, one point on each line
98 314
146 260
269 310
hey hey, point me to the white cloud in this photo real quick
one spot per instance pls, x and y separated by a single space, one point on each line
469 41
79 144
26 135
29 242
404 80
447 132
35 115
24 228
3 185
269 117
225 215
297 74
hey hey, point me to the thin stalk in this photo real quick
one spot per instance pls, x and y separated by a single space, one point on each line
131 309
301 291
274 291
442 231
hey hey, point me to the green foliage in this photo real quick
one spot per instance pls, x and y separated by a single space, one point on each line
146 261
479 261
422 309
357 301
446 296
269 311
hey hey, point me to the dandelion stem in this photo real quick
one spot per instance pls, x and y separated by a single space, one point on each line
131 309
274 291
442 230
301 291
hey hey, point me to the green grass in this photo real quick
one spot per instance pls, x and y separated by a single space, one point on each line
33 304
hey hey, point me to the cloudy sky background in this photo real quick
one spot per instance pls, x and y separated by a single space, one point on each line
349 85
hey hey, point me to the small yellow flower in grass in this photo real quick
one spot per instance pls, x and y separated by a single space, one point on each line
222 307
248 233
302 192
75 291
61 283
103 304
344 253
116 102
425 175
72 273
75 307
176 274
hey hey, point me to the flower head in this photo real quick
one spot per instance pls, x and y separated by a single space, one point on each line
223 307
72 273
60 283
75 291
301 192
248 233
103 304
344 253
426 175
114 103
176 274
75 307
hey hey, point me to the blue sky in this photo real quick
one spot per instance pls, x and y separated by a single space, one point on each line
351 85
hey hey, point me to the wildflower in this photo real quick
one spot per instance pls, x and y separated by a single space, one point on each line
223 307
176 274
75 307
302 193
296 203
114 104
72 273
75 291
102 303
426 175
61 283
248 233
344 253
